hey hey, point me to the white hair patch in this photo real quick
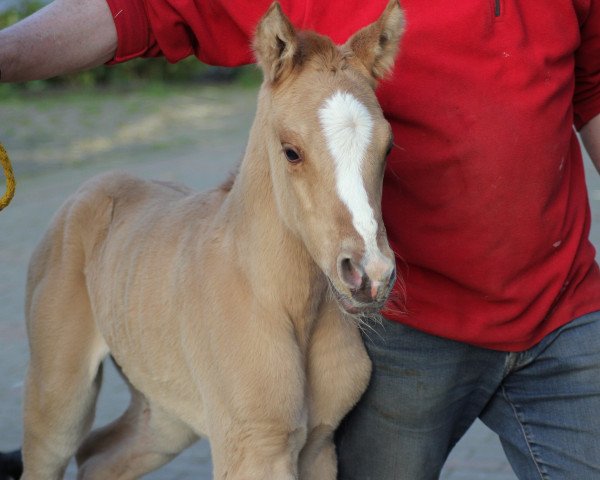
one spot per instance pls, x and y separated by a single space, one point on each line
348 126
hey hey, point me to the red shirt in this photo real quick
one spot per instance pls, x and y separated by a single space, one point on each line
484 201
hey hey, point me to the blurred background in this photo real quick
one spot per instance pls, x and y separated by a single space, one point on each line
139 106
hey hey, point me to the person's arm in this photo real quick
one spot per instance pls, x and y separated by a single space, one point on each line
71 35
63 37
590 134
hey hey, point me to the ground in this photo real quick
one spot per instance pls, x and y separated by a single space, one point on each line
192 134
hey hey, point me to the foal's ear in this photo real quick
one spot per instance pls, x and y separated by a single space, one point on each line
275 43
376 45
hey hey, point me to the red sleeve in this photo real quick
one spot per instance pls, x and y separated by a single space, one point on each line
218 32
586 100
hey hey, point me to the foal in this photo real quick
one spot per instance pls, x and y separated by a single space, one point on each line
228 312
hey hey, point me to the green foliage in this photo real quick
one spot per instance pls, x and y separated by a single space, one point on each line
18 11
126 75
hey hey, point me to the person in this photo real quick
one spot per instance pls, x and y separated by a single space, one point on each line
485 205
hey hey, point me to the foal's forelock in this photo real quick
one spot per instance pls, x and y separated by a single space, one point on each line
348 130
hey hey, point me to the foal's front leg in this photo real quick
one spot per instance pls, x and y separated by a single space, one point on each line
255 406
338 373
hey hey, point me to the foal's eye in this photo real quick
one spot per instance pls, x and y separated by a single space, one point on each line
291 154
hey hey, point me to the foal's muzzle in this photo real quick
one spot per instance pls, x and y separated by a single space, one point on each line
369 282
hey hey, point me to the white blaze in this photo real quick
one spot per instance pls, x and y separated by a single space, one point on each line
348 127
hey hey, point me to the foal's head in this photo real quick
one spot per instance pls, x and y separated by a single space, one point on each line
327 142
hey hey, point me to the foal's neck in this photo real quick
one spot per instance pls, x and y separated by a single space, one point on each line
275 260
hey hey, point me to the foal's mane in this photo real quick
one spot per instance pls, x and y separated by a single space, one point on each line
320 52
227 185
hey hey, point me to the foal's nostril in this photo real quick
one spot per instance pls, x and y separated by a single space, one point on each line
351 273
382 280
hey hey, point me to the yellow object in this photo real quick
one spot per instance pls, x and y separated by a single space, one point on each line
10 178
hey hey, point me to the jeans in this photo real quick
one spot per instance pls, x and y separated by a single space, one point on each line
425 392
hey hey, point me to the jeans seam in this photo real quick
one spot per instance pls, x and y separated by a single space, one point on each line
526 435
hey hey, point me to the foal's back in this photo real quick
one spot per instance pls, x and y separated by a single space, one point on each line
104 230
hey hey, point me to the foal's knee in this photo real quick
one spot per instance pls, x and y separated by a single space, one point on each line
261 455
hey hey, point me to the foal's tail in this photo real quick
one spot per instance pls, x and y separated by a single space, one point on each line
11 465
